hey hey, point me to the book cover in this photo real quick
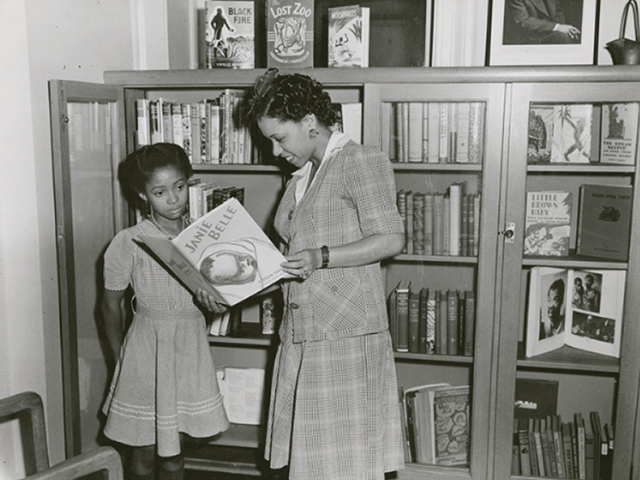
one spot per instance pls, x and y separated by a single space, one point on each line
540 133
348 36
224 252
290 33
579 308
230 34
604 221
535 398
450 417
571 140
243 393
548 223
619 136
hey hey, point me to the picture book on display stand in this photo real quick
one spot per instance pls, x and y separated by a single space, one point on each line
290 33
229 34
224 252
579 308
548 223
619 133
348 36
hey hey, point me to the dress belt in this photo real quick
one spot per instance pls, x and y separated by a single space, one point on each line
158 314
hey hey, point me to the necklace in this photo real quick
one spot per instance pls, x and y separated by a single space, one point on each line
159 227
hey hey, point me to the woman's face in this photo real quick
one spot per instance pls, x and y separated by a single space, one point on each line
290 140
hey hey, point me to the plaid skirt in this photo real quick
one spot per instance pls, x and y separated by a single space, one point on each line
334 411
165 383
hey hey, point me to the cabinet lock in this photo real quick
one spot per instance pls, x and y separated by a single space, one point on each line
509 232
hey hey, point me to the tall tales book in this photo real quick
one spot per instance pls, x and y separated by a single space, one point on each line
290 33
579 308
619 137
571 140
548 223
348 36
230 34
224 252
604 221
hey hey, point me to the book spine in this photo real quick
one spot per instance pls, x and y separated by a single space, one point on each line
428 224
414 322
195 133
167 122
392 307
469 323
422 330
523 447
441 327
431 322
186 130
434 133
452 322
462 147
401 200
418 223
415 132
403 320
143 122
438 224
476 132
443 150
176 118
409 223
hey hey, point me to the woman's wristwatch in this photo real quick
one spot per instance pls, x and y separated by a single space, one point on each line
325 256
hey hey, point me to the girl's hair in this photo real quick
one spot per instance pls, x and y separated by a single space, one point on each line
138 167
289 98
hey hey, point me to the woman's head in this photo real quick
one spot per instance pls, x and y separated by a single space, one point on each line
140 167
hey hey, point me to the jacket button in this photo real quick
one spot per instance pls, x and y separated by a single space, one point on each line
290 214
294 305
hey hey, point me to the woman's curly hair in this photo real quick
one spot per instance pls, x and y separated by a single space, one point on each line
289 97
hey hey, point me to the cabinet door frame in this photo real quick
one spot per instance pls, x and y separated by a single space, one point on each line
63 92
626 398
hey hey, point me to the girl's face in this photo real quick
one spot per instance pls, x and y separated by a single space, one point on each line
167 192
290 140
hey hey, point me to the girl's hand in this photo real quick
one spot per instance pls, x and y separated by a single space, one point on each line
303 263
209 302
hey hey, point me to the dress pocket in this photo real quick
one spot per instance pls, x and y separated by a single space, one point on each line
338 305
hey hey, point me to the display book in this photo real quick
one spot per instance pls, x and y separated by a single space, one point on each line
290 32
437 132
583 133
209 130
441 222
548 223
546 446
229 34
348 35
224 252
432 321
243 394
436 424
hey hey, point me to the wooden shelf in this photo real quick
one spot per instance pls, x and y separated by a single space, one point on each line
445 167
569 359
432 358
236 168
249 336
563 169
573 261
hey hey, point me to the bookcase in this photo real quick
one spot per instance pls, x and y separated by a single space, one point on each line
497 272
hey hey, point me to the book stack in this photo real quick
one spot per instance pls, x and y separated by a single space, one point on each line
204 197
437 132
440 223
549 447
432 321
436 419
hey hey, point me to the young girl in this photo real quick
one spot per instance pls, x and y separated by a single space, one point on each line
164 385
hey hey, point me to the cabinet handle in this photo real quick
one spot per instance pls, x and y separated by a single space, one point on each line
509 232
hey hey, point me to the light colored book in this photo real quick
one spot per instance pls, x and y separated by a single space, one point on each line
243 392
348 36
619 136
229 34
571 140
548 223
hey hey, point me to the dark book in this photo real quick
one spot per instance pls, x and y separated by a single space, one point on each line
422 328
290 33
393 317
414 322
535 398
469 322
567 444
402 308
523 447
221 195
452 322
441 324
604 221
540 133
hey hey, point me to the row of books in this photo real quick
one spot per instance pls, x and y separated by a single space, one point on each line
583 133
438 132
549 447
432 321
436 424
208 130
227 323
229 34
441 223
603 223
204 197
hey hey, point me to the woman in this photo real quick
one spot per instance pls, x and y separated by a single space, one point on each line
334 410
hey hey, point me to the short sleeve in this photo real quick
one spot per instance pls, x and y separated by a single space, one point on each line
119 261
370 183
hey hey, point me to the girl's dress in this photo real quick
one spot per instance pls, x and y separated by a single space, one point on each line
165 380
334 411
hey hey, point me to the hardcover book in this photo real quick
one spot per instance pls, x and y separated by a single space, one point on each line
243 391
540 133
450 417
548 223
290 33
224 252
348 36
571 140
619 136
579 308
604 221
230 34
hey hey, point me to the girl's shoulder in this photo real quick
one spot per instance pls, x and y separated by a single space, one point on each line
129 234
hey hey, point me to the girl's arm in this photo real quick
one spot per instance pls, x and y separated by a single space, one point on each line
112 314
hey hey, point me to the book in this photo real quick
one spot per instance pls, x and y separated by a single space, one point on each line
431 320
576 307
415 132
402 312
604 221
348 36
456 194
567 445
535 398
619 136
469 323
524 448
230 34
290 33
224 252
392 307
571 139
548 223
143 122
350 119
414 322
450 433
540 133
452 323
476 132
243 393
423 320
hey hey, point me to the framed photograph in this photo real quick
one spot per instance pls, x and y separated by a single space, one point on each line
543 32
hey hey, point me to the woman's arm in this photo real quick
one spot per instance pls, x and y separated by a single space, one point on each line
111 307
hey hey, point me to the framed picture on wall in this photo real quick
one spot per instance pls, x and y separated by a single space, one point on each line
543 32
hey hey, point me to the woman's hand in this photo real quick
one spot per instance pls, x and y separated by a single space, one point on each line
303 263
209 302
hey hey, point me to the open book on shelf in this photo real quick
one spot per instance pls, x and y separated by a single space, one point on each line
578 308
224 252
